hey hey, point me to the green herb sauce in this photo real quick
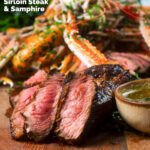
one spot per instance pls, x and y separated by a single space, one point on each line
140 95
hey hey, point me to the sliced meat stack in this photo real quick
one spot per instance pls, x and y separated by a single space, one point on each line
67 106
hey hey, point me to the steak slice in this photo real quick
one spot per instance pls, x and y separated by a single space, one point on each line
17 120
37 78
131 61
41 112
14 96
87 99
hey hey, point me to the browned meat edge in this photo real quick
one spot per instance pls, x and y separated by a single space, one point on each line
106 77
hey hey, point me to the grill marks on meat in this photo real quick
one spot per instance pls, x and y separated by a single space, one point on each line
87 99
37 78
78 101
17 120
40 113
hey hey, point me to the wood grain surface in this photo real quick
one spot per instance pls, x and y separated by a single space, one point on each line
99 139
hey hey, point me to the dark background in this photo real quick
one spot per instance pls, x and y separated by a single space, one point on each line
16 19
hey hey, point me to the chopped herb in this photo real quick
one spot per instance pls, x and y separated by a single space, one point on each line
69 7
47 56
57 23
20 67
36 21
3 57
22 61
37 63
2 81
68 36
64 12
8 90
38 32
24 46
19 83
47 27
33 52
52 51
10 64
44 48
147 20
42 36
12 50
61 29
136 74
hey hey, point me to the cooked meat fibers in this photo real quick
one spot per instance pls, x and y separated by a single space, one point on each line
17 120
14 96
37 78
77 96
40 113
131 61
87 99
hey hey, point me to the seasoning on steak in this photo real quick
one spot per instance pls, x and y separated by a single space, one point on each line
41 112
37 78
87 98
17 120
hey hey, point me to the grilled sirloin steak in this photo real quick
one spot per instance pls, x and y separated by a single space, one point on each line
76 103
87 99
17 120
41 112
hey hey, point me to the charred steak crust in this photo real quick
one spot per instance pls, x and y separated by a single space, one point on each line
106 78
105 72
22 137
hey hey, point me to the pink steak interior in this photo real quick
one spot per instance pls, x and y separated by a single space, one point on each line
24 99
40 114
76 109
38 77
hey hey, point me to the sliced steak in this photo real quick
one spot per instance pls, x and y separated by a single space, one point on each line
87 99
126 62
41 112
37 78
77 96
131 61
14 96
17 120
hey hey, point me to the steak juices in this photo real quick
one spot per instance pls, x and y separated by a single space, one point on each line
67 106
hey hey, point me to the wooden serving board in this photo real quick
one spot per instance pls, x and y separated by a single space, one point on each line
99 140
